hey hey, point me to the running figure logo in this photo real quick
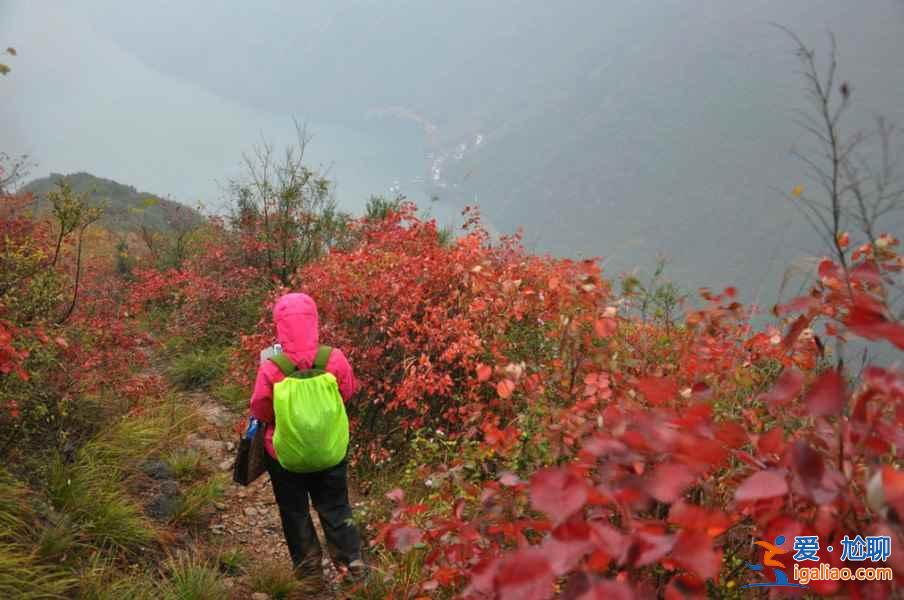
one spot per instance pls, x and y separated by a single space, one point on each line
781 580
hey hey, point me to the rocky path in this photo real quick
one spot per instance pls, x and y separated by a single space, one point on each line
246 517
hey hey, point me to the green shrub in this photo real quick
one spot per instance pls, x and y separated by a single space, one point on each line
199 369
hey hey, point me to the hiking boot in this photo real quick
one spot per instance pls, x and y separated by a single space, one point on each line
357 570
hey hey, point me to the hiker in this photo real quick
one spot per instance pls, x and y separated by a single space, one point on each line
297 329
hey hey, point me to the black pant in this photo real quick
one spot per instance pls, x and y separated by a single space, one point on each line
329 493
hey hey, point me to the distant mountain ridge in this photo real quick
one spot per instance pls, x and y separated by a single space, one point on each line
125 207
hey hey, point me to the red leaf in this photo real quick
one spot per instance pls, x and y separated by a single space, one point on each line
765 484
866 272
658 390
799 324
609 539
827 395
505 388
694 552
567 545
732 435
703 452
605 327
685 587
786 388
484 372
669 481
772 442
867 320
691 517
402 538
608 590
808 464
482 576
599 561
526 575
648 548
796 305
558 493
828 270
893 487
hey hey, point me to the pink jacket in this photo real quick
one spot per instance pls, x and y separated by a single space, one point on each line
297 329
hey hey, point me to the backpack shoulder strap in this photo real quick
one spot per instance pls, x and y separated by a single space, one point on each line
285 365
323 356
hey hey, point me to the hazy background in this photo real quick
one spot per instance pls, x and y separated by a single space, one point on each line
605 128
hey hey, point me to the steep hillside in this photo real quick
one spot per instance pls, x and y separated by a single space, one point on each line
126 208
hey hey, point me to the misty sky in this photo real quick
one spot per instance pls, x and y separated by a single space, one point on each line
658 126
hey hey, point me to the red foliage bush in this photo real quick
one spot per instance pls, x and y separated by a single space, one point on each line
669 469
422 322
49 357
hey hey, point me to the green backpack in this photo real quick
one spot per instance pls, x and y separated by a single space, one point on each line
311 425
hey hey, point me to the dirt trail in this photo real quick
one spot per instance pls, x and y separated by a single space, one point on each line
246 517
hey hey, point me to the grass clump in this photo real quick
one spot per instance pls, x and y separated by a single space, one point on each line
233 561
96 503
16 513
58 538
392 578
90 491
274 579
197 501
199 369
189 578
101 580
233 396
24 578
185 464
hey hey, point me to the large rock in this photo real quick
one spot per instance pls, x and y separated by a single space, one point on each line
157 469
166 503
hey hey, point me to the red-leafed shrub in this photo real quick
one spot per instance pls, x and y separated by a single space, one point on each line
66 340
440 334
667 470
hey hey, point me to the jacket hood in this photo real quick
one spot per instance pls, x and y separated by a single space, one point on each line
297 326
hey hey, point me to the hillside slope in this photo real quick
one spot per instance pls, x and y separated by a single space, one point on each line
126 208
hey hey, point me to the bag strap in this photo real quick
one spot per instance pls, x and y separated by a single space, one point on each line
323 356
285 365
